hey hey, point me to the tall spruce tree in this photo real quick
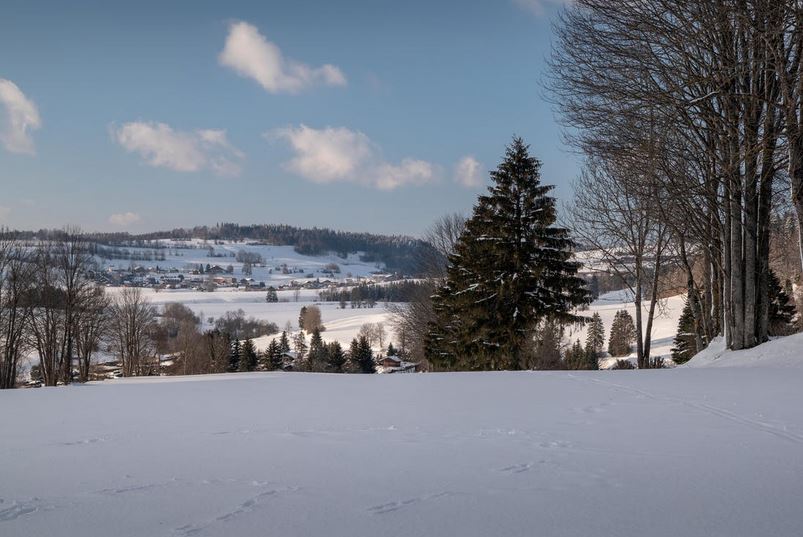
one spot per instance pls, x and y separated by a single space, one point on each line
595 336
315 342
623 334
317 358
575 356
275 354
248 356
300 346
284 343
301 315
511 269
336 358
354 356
362 356
685 342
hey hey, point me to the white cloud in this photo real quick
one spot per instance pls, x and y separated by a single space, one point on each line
21 117
124 219
538 7
338 154
4 212
182 151
467 172
251 55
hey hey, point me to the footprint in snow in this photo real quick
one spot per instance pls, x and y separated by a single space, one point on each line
390 507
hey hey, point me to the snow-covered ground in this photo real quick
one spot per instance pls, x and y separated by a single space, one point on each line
342 325
692 451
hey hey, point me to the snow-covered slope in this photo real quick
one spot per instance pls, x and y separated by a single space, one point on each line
780 352
688 451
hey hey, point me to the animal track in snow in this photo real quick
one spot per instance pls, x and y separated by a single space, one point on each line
83 442
517 468
390 507
19 509
245 507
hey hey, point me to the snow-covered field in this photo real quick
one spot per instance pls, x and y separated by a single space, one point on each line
188 254
693 451
342 325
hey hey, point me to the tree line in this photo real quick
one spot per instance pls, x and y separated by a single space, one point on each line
369 294
689 118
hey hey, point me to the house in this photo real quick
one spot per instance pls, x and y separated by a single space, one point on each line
216 270
390 361
394 364
288 360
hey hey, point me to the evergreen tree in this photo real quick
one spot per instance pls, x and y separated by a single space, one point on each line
781 308
685 342
546 352
317 359
595 337
392 350
265 361
623 334
284 343
354 355
301 316
362 356
272 295
248 356
336 358
575 356
300 346
591 359
274 353
315 342
235 355
511 268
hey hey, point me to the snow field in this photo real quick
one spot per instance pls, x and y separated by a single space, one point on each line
705 451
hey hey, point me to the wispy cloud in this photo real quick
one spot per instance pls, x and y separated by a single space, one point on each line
538 7
338 154
183 151
251 55
19 118
124 219
467 172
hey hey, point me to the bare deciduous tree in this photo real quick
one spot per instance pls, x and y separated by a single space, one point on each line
132 322
15 287
411 320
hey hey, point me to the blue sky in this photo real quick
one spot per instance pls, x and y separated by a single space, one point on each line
360 115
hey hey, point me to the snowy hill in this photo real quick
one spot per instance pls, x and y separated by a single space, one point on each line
688 451
780 352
